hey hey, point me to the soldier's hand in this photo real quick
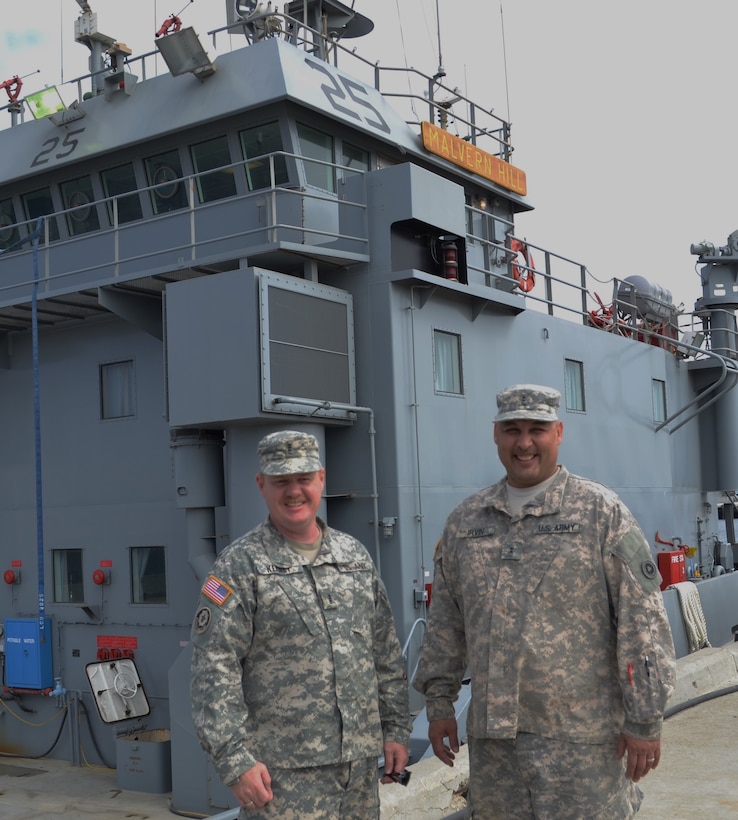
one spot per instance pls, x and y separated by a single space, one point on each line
254 787
438 731
643 756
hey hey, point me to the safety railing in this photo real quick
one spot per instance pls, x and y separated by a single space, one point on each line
229 225
410 89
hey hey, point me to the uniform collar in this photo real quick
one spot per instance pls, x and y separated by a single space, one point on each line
332 551
547 503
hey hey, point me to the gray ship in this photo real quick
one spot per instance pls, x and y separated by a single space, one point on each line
291 236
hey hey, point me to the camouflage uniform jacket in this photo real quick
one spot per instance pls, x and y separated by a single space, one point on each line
295 664
558 612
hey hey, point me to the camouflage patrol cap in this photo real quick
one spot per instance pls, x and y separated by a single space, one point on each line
528 401
288 452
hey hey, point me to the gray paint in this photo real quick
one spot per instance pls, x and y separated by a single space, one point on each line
178 295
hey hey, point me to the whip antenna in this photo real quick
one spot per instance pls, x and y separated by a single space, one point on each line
504 60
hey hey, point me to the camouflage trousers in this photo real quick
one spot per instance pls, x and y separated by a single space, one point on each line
342 791
537 778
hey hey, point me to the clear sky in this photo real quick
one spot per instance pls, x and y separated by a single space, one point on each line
624 115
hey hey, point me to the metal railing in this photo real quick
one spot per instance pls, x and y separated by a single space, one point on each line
411 88
271 203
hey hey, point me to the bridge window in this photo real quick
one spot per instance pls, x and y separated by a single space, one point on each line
574 385
165 172
256 144
69 585
355 160
117 390
207 156
315 145
78 201
39 203
117 182
447 373
148 575
8 232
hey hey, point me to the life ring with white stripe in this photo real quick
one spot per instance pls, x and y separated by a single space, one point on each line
524 275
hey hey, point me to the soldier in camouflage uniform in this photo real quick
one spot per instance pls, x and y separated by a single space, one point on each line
298 682
545 586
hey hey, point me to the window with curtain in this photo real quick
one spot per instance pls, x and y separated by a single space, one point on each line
117 390
68 577
447 374
148 575
574 385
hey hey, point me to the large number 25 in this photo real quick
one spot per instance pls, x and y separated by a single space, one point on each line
68 142
336 94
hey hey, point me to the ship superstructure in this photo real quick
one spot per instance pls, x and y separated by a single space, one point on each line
277 239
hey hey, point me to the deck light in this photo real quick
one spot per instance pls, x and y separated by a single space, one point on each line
182 52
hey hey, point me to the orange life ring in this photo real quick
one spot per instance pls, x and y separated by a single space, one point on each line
523 275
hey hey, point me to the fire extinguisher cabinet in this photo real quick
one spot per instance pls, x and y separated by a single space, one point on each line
673 567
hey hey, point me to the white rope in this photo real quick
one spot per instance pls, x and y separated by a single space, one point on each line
694 617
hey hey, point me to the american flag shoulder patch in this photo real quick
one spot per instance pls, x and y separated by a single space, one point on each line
216 590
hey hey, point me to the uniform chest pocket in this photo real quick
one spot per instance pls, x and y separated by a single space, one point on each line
287 605
346 595
480 565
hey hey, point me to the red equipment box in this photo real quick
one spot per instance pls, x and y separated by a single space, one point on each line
673 567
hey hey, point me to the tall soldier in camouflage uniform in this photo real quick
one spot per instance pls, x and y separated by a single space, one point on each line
545 586
298 683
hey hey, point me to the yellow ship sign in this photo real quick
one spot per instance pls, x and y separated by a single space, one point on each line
468 156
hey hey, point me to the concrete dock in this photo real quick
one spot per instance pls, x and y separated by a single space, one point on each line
697 778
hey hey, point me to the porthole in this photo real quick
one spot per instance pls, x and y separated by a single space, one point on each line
163 175
76 203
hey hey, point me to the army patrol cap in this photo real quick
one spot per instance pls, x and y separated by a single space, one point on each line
528 401
288 452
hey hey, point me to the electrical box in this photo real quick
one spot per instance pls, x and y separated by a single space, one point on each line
28 660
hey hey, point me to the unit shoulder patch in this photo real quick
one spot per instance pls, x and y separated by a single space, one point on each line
649 569
203 619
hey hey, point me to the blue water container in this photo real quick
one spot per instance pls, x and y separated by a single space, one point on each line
28 657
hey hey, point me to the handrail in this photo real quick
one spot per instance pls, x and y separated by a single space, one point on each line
114 228
480 121
419 622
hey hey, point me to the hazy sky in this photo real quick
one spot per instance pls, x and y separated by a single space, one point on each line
624 114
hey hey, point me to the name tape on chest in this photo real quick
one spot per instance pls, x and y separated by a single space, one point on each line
355 566
561 528
273 569
555 529
476 532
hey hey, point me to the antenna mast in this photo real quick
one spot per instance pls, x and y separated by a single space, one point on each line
441 70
